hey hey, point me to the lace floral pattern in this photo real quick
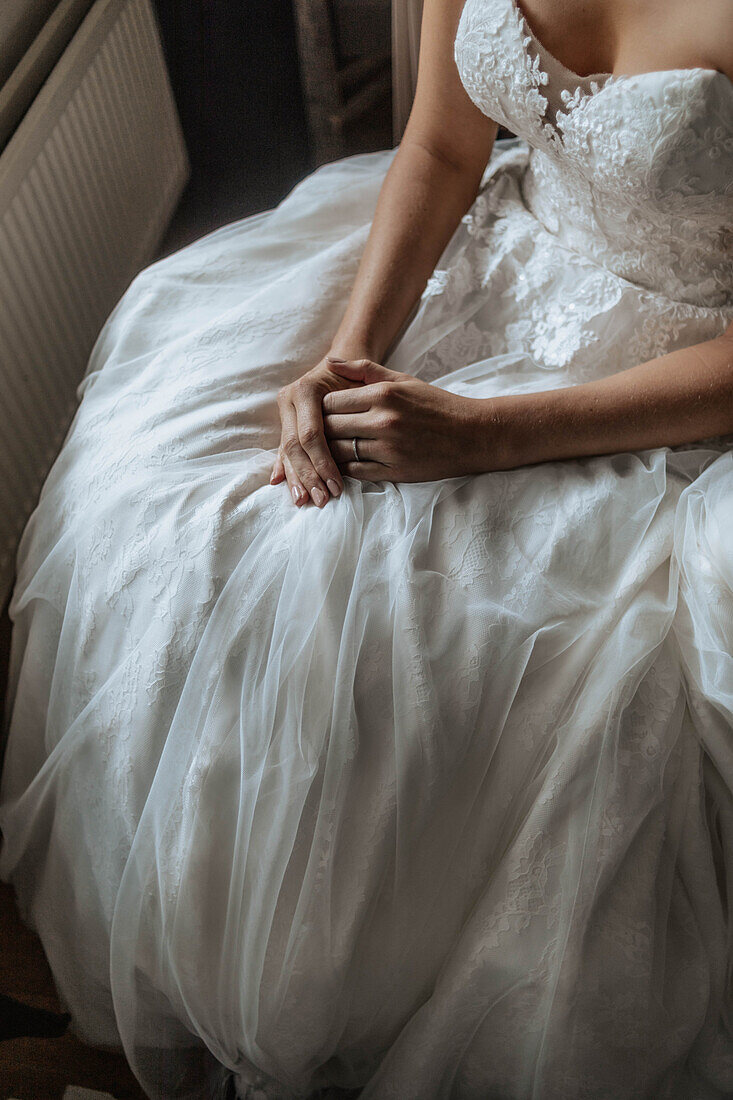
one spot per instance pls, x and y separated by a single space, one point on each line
650 198
427 795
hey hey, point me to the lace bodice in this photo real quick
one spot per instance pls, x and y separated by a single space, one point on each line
427 794
636 172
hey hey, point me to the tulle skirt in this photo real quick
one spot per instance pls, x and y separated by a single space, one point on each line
424 795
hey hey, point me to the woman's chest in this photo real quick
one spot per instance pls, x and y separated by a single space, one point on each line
653 144
579 33
625 36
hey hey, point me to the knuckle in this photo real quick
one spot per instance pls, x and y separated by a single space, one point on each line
321 462
309 435
300 387
291 447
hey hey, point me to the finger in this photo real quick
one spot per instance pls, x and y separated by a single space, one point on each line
343 450
297 491
356 399
346 427
367 471
356 369
313 441
278 470
305 472
288 444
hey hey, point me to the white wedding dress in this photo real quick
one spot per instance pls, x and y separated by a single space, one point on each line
429 793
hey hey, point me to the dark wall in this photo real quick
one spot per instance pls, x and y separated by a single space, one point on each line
234 70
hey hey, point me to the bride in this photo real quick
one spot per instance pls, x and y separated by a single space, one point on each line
372 720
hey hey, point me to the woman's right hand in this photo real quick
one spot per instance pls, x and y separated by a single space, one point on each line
304 458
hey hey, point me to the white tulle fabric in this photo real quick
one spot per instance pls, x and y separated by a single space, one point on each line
428 794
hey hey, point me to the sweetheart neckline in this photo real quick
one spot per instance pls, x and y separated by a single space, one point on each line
606 77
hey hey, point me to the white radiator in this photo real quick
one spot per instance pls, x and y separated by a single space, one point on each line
88 183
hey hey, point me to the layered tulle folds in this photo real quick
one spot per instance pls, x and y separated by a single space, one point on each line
428 793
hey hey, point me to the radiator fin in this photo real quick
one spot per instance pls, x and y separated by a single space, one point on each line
87 187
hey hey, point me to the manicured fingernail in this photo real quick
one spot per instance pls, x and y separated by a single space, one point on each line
334 487
296 493
335 359
272 478
319 497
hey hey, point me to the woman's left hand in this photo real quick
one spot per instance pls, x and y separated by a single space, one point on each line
405 429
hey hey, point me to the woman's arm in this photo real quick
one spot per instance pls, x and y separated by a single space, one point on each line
409 430
422 200
431 183
681 397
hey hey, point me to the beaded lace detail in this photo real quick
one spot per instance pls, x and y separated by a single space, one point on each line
428 794
636 172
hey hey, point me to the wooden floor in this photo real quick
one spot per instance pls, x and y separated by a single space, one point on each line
41 1069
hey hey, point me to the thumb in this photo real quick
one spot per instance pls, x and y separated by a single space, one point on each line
359 370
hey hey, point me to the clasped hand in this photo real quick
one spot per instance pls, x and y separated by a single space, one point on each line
406 430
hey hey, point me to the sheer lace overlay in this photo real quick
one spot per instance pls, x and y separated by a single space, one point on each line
427 795
635 173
